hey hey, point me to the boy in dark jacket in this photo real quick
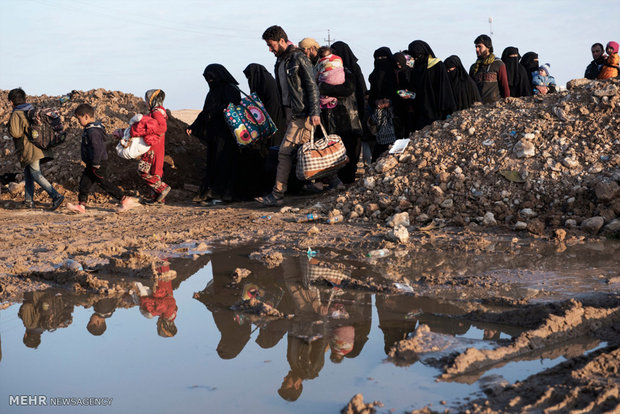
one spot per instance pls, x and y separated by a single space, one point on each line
30 156
95 156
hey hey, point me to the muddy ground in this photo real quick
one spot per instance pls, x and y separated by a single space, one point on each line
104 252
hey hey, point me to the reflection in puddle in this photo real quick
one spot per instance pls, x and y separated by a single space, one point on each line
328 340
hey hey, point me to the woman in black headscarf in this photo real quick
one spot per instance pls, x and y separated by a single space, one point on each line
403 108
263 83
349 61
211 128
381 99
518 80
530 62
464 88
434 99
258 159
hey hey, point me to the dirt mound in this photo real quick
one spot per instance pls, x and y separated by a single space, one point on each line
184 155
534 163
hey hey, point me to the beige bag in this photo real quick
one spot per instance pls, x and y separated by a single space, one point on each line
321 158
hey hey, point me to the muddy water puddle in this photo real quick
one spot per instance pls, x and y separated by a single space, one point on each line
185 343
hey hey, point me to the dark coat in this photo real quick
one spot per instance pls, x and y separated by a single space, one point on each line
302 88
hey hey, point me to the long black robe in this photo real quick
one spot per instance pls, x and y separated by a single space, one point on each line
530 62
349 61
223 170
344 120
434 99
383 82
518 80
264 84
464 87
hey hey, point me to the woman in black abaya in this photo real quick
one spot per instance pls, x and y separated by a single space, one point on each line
263 83
530 62
434 99
211 128
518 81
464 88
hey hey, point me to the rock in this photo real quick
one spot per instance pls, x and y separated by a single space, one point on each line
536 227
489 219
369 182
520 225
524 149
569 162
400 219
575 83
606 190
527 213
447 203
608 89
399 234
239 274
385 164
560 235
593 225
570 224
17 188
613 227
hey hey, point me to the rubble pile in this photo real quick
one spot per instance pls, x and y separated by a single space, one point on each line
536 163
184 163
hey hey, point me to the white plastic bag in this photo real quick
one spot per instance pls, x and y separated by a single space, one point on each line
131 147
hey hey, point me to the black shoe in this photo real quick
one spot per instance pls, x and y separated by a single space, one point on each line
57 202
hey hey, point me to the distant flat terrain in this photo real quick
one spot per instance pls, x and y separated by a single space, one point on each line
186 115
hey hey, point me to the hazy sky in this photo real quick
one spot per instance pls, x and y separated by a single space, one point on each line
54 46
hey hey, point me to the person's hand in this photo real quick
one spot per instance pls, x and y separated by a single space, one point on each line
188 131
315 120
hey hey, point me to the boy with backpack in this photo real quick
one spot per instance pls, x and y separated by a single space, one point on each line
30 156
95 156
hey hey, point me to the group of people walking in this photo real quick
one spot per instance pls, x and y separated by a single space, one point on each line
313 86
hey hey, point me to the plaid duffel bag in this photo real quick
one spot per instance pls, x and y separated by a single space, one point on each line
320 158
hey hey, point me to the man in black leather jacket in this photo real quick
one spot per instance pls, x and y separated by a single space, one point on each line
300 98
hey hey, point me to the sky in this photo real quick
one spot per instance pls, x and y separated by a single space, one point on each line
55 46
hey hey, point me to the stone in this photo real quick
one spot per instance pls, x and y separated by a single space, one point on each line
569 162
606 190
527 213
570 224
399 234
385 164
593 225
613 227
369 182
400 219
520 225
608 89
560 235
489 219
575 83
447 203
524 149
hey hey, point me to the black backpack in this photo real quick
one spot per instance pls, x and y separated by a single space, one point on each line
45 129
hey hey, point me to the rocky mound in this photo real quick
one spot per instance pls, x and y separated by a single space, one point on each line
183 165
534 163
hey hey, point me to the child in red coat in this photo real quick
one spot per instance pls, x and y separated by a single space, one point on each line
153 128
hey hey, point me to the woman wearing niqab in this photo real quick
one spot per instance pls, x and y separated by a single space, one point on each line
464 87
518 81
211 128
530 62
430 82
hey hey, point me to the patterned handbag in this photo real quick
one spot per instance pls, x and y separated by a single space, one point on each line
318 159
249 121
